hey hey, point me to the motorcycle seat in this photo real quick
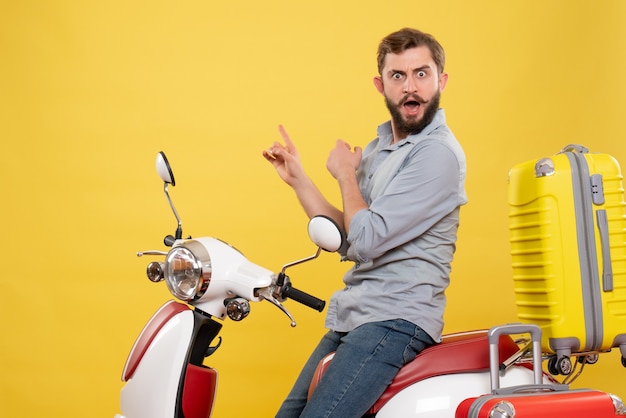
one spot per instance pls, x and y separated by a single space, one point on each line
457 353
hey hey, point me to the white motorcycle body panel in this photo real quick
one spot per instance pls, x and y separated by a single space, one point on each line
151 391
232 275
439 396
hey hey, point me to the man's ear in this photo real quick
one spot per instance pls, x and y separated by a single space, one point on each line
443 80
378 82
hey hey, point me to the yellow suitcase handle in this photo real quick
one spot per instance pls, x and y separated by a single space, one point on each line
575 148
607 267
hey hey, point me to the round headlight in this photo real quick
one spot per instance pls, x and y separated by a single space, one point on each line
184 274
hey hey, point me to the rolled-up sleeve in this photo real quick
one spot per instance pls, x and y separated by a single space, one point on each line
425 188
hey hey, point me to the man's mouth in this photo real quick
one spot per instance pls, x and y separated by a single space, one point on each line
412 104
412 107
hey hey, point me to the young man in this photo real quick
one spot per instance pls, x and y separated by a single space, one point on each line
401 198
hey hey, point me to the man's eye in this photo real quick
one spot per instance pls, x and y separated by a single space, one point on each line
421 74
396 76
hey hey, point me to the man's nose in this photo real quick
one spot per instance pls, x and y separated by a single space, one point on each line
410 86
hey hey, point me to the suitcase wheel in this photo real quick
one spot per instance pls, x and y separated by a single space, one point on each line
559 365
589 358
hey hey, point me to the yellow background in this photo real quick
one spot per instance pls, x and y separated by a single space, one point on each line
90 91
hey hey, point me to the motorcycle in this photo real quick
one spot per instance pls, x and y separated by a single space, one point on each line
165 377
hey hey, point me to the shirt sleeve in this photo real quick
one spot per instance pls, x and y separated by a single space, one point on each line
422 192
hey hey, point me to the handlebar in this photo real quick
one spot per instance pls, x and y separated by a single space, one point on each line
304 298
275 294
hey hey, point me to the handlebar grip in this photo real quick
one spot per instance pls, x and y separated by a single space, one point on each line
305 299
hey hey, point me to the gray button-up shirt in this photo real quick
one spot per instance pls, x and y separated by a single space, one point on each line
403 244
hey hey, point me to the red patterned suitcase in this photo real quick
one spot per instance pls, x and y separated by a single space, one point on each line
538 400
569 403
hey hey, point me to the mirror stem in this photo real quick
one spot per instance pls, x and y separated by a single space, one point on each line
314 256
179 229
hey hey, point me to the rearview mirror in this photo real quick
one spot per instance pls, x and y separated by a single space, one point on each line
164 169
325 233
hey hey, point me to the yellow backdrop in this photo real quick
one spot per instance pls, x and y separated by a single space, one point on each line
91 91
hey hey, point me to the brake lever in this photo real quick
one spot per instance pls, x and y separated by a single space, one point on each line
267 294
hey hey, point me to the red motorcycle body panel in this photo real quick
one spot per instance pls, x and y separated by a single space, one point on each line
457 353
199 391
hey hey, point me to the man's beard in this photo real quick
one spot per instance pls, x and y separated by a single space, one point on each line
413 126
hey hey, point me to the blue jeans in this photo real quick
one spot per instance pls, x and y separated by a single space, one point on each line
366 361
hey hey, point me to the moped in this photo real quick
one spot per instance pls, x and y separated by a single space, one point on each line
165 375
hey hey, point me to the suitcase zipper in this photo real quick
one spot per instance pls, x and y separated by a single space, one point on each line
583 204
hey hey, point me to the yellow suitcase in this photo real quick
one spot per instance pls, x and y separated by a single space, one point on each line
568 245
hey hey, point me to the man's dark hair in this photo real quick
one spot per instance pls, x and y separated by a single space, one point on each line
408 38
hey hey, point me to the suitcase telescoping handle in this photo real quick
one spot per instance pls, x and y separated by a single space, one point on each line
494 352
494 360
